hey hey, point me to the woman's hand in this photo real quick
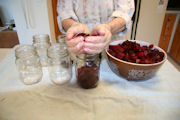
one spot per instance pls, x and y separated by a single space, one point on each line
75 43
99 39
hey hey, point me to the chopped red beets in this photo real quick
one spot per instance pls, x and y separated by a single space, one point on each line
84 75
132 52
140 54
81 34
151 46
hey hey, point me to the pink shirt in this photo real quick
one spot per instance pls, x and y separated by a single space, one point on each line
94 12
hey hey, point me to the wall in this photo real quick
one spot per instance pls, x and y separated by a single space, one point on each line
5 11
150 21
38 11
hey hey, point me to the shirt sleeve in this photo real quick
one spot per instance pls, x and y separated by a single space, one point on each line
65 10
125 10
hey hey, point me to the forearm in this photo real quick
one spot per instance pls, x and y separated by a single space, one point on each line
117 25
67 23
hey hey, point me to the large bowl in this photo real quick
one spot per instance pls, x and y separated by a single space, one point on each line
134 71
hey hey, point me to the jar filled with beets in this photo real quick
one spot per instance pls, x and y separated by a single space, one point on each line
87 70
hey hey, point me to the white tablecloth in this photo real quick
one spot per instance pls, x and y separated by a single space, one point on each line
114 99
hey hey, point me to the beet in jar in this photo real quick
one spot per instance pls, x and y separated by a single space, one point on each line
87 70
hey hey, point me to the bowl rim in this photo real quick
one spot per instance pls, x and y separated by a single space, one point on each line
137 64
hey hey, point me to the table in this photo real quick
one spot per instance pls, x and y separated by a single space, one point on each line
114 99
3 52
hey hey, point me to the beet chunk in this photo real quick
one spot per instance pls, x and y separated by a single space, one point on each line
133 52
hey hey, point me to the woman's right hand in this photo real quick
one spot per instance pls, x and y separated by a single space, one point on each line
75 43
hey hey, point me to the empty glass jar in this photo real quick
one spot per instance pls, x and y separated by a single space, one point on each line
60 68
42 43
28 64
62 40
87 70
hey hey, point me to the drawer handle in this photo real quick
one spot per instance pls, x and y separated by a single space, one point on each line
170 22
169 18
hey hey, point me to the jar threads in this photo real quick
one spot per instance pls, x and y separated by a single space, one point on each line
28 64
60 69
42 42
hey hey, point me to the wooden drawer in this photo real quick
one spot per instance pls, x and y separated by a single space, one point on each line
164 42
175 48
167 31
168 24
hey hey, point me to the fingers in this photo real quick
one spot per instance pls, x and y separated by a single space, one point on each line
91 51
72 32
78 49
76 29
98 30
75 45
96 46
73 42
94 39
99 39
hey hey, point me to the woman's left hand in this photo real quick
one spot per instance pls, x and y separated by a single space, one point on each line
99 39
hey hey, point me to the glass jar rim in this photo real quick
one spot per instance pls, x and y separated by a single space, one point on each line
24 49
57 49
41 38
38 36
27 57
87 56
61 38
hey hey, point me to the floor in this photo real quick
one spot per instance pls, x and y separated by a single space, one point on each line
177 65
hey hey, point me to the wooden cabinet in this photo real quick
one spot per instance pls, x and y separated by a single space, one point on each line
55 14
8 39
175 48
167 39
167 31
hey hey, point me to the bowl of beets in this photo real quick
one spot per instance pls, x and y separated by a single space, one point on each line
134 59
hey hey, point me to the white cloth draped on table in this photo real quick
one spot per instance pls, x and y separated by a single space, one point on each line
114 99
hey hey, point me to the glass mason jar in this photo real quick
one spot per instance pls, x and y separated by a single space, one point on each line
42 43
62 40
28 64
87 70
60 68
